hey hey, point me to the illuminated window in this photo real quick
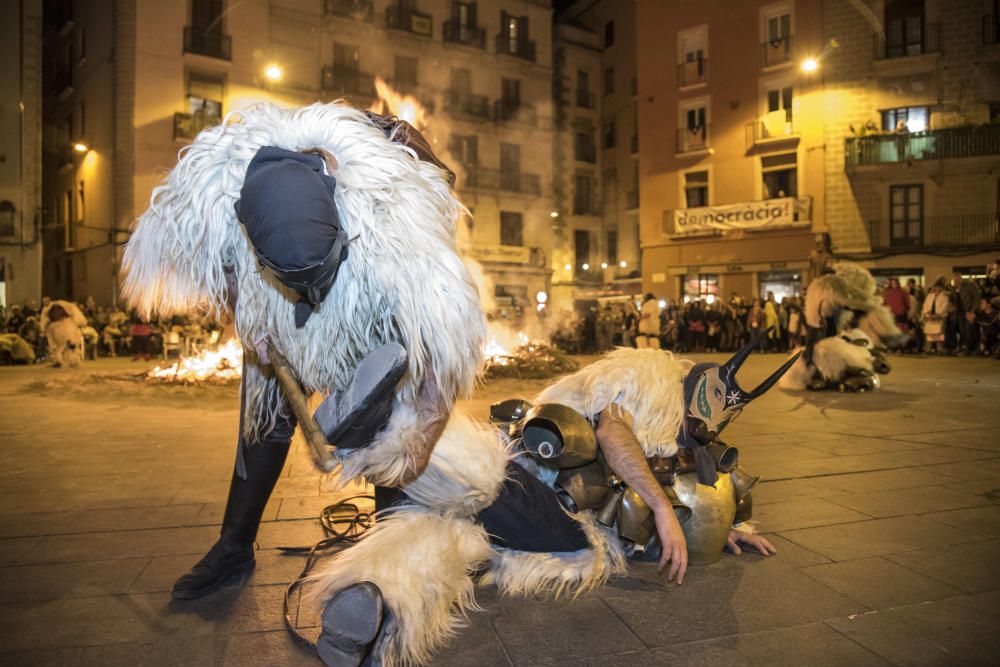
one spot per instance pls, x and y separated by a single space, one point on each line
913 119
696 189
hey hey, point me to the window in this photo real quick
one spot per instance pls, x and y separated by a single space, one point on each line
696 189
904 28
777 45
82 46
994 112
584 148
906 214
780 175
346 57
406 72
700 286
510 92
207 15
582 195
609 80
514 33
914 119
510 167
464 14
692 50
693 132
780 99
583 89
464 149
581 244
511 228
610 134
7 217
612 248
204 95
609 34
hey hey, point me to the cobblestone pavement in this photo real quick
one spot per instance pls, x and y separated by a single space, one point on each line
883 508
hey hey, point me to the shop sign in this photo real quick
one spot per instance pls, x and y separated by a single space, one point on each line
734 268
509 254
767 214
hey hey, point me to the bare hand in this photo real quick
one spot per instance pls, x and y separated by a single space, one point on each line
674 545
758 542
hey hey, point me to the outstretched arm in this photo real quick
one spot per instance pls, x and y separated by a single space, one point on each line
625 456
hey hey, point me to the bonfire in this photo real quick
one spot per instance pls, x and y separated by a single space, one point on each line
217 366
528 360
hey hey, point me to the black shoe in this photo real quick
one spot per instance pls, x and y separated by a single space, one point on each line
224 562
351 624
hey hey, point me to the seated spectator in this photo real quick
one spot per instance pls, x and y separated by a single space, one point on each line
988 321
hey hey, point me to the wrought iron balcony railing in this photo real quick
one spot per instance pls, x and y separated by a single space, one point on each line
585 153
927 42
208 43
347 81
977 230
360 10
692 72
396 18
586 99
467 104
774 126
188 125
632 200
776 51
519 48
493 179
460 33
505 111
952 142
691 139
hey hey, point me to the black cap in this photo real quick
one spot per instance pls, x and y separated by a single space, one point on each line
288 209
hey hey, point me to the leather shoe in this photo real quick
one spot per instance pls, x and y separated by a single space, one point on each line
224 561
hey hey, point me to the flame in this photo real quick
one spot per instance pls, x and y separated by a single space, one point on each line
406 107
223 364
503 344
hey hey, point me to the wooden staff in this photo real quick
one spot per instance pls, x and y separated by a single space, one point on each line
321 449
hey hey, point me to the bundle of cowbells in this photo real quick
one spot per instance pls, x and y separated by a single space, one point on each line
63 323
855 324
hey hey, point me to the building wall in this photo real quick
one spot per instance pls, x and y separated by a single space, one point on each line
735 92
20 150
957 80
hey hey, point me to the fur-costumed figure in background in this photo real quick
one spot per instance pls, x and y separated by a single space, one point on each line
849 332
327 234
62 323
619 460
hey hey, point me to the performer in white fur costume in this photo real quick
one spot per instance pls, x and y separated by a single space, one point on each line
849 330
326 233
62 323
554 508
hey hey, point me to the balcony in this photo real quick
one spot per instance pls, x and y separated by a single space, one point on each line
586 100
514 111
454 32
692 73
187 125
632 200
692 139
347 81
977 230
773 127
949 143
493 179
927 43
585 153
633 144
62 83
520 48
359 10
468 105
776 52
208 43
991 29
396 18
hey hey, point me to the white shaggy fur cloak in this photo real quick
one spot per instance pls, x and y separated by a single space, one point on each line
648 383
402 281
64 336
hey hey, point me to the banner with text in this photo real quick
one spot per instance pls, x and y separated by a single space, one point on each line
767 214
498 253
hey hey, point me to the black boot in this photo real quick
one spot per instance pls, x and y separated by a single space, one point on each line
232 556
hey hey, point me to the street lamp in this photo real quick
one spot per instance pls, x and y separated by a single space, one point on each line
810 65
586 267
604 265
273 73
568 267
81 147
623 263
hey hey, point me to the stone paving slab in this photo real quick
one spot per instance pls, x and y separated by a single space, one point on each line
981 520
917 500
804 513
956 631
879 583
32 583
971 568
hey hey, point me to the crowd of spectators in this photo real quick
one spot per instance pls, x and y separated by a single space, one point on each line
959 316
110 331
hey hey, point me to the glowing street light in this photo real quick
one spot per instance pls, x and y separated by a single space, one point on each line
81 147
554 214
623 263
810 65
273 73
586 267
604 265
568 267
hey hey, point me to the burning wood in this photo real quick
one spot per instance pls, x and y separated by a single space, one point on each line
220 366
526 360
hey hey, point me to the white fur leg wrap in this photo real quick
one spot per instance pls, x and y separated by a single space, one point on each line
386 460
423 564
573 573
832 357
